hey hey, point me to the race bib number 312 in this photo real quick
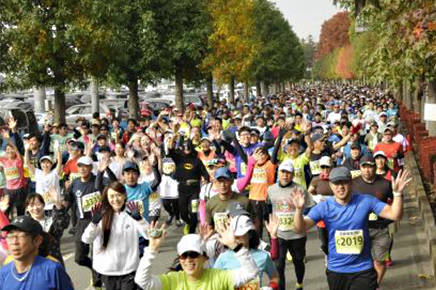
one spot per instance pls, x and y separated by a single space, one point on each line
349 242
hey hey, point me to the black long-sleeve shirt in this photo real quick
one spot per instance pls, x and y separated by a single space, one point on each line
188 167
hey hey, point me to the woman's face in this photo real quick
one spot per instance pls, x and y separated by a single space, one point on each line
192 266
145 141
380 162
46 165
243 240
36 209
10 152
119 150
116 199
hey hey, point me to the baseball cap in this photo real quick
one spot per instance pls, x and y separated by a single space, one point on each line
325 161
317 137
191 243
367 160
241 225
236 209
130 165
355 145
287 165
379 153
101 136
388 129
85 160
25 224
223 172
340 174
46 157
383 114
255 132
104 148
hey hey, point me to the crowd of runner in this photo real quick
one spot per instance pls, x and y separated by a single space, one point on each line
243 181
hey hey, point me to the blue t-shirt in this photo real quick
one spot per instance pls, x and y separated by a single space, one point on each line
45 274
228 261
352 216
141 193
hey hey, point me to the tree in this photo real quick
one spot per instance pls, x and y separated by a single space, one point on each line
57 43
334 34
309 47
233 42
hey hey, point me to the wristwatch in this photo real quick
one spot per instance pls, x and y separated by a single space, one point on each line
237 248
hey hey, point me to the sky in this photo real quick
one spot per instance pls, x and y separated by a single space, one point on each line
306 16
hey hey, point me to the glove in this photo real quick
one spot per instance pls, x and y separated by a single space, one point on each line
134 210
97 213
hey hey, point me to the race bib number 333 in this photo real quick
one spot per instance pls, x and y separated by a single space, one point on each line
89 200
349 242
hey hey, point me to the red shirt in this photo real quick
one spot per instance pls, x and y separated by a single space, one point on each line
391 150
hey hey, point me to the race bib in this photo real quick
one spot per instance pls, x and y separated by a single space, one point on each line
315 168
349 242
259 176
140 205
47 197
355 173
298 173
373 217
154 197
391 163
194 205
12 173
220 219
286 221
252 285
168 168
89 200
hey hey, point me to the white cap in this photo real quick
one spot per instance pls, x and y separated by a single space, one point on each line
287 166
241 225
325 161
379 153
46 157
85 160
191 243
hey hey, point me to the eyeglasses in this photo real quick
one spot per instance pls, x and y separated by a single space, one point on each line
20 237
325 167
192 255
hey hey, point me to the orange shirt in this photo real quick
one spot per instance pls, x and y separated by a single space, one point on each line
263 177
390 149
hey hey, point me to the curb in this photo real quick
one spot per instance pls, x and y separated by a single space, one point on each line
426 213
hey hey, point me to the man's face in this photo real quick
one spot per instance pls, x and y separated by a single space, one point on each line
285 177
131 177
85 170
34 143
223 186
387 136
131 126
260 122
368 171
245 138
63 131
22 245
341 189
355 153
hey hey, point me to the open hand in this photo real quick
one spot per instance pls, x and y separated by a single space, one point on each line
156 242
298 198
399 183
272 226
227 236
97 213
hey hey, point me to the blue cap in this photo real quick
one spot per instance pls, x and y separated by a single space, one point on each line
130 165
223 172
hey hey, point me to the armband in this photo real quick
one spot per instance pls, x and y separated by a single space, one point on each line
398 194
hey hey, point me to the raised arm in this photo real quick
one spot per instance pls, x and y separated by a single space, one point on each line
27 160
301 224
395 211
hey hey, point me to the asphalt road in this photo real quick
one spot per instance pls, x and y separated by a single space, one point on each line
410 256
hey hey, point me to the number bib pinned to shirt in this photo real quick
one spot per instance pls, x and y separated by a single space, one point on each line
220 219
355 173
315 167
373 217
47 197
390 163
286 221
349 242
252 285
89 200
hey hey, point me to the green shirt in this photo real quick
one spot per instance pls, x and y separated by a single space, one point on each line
215 279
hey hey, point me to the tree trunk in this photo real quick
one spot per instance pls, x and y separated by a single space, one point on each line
59 106
231 99
209 88
39 99
95 101
265 89
275 89
179 89
431 99
258 90
246 92
133 98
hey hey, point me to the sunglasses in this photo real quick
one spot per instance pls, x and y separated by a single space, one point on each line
192 255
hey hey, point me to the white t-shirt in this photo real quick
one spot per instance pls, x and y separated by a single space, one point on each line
168 187
333 117
44 182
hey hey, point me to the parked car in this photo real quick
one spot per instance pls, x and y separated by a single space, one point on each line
26 120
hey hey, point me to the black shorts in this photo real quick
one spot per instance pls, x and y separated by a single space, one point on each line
364 280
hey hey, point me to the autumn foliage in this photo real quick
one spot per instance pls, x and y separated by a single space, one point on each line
343 67
334 34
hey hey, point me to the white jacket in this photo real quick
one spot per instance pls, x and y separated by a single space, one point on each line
121 257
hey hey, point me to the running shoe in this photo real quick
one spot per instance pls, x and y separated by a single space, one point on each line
298 286
289 256
186 230
179 223
169 221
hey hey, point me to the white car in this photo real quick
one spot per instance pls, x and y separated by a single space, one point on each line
85 110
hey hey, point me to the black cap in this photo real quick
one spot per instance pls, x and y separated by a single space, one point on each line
367 160
236 209
104 149
356 145
101 136
129 165
25 224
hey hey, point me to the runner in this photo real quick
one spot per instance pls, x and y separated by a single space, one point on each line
29 271
350 265
192 254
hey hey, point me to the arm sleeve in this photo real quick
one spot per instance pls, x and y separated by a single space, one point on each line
248 270
239 150
275 250
275 154
143 277
244 181
61 219
204 172
91 232
157 178
111 175
45 147
228 147
99 181
19 143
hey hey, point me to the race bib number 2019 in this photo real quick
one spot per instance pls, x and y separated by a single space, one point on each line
349 242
